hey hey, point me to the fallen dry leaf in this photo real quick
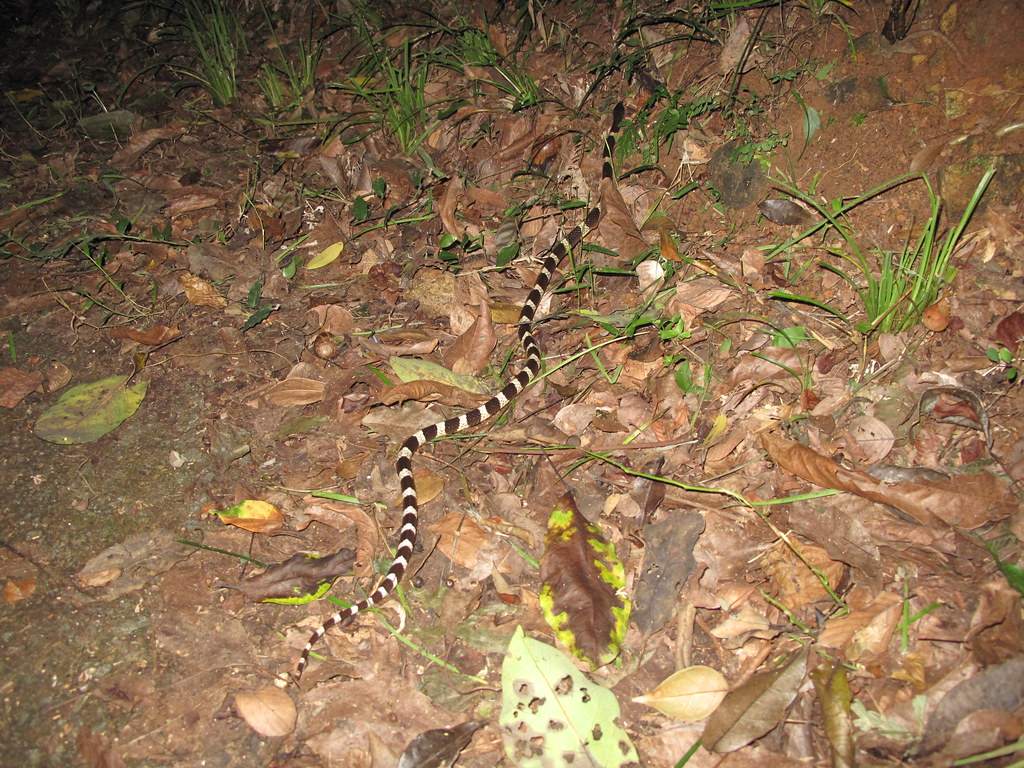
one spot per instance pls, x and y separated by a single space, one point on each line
688 695
16 385
16 590
471 352
268 711
967 501
296 391
153 337
200 292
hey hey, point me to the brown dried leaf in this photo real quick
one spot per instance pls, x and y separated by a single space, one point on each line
154 337
191 202
967 501
461 539
253 515
864 632
298 575
869 439
296 391
1010 330
694 298
471 352
784 212
439 747
750 711
142 142
431 391
269 711
16 385
16 590
333 319
999 687
449 201
617 226
835 698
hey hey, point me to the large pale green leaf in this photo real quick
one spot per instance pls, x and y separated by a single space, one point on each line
413 369
87 412
553 716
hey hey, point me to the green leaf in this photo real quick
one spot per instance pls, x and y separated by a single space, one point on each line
326 256
258 317
506 255
252 298
360 210
87 412
413 369
789 338
553 716
288 270
379 187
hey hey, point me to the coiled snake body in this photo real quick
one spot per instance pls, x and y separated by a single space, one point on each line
529 371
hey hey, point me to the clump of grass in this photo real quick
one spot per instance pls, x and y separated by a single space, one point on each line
393 84
895 287
215 33
287 79
475 54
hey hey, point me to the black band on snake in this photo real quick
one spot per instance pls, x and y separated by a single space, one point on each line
529 371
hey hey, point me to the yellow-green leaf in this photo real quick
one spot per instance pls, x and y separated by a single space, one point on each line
87 412
413 369
326 256
253 515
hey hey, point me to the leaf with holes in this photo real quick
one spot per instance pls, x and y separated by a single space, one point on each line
581 594
87 412
553 716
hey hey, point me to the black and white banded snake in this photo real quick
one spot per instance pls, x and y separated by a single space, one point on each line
531 368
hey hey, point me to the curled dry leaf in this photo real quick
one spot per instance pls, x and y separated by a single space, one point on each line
471 352
967 501
297 390
199 292
16 385
268 711
331 318
296 576
431 392
689 695
154 337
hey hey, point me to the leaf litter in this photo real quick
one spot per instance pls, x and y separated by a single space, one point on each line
836 525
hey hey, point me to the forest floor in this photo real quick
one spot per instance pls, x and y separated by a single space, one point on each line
779 380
